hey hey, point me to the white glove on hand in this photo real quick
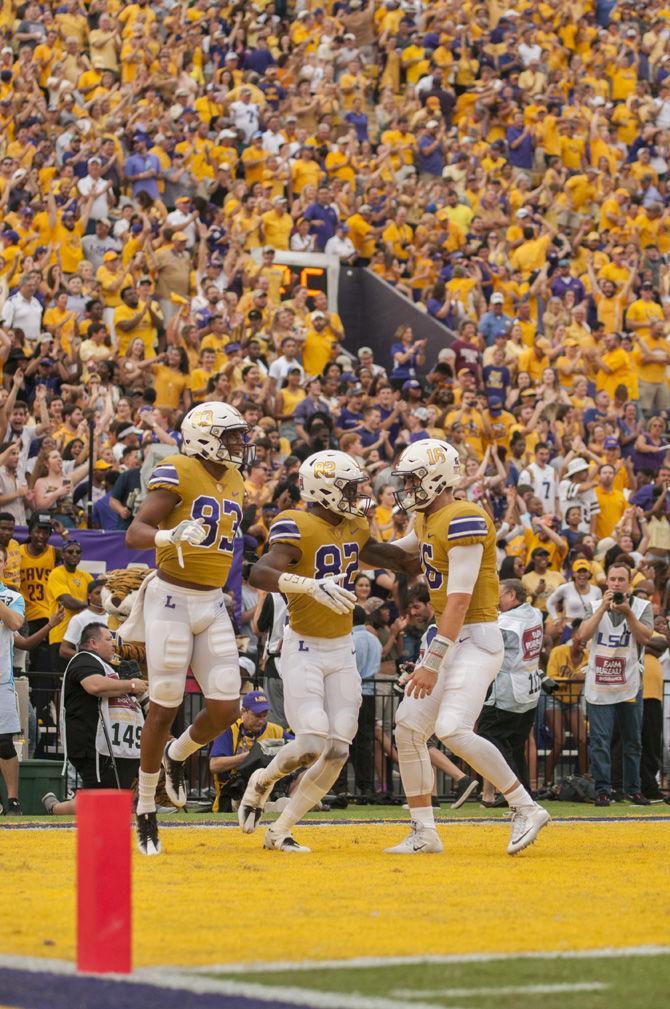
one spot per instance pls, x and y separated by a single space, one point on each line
326 591
188 531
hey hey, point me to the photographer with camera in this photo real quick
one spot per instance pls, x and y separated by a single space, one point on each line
621 627
509 711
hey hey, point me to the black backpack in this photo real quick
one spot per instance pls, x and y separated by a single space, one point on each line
575 788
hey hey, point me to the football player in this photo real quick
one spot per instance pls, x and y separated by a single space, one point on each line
191 513
456 544
313 558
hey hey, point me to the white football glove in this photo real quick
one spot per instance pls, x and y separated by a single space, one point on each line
326 591
188 531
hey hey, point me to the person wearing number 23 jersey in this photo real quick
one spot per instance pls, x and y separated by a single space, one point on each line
191 513
312 558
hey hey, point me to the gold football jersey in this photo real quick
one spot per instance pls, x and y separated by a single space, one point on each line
217 502
459 524
327 550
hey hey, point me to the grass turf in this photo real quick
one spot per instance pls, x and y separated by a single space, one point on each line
470 811
622 982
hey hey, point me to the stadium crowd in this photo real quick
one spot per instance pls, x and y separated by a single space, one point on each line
505 169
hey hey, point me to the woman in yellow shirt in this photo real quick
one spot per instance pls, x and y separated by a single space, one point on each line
383 518
288 398
172 382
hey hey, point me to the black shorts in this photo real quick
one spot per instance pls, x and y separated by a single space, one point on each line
504 727
86 769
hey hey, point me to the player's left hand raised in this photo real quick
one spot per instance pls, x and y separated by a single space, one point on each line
421 682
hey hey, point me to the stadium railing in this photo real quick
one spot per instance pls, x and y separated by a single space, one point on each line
372 772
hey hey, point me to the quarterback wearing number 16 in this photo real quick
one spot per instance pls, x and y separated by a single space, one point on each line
191 514
312 559
456 544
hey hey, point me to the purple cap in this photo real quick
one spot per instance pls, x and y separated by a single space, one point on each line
256 701
411 383
611 443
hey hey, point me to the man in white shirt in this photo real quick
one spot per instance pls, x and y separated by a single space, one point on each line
280 368
577 489
542 478
245 115
273 138
340 244
529 51
182 218
93 614
101 190
13 487
23 310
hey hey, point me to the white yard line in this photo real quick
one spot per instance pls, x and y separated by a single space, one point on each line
608 952
526 989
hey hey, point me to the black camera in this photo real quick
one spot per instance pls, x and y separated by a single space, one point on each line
618 598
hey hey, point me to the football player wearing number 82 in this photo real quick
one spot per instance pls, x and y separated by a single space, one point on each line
456 542
191 514
312 558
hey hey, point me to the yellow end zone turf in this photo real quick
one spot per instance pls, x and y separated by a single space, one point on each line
216 896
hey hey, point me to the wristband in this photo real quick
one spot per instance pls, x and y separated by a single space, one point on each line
163 538
294 583
439 647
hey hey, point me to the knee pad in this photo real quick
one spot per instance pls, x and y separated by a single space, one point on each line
310 748
166 691
344 726
7 748
336 752
449 726
312 719
222 683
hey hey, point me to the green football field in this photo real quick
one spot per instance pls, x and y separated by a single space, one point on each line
612 982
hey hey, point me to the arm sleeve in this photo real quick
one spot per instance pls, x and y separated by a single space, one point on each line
83 666
164 477
464 562
284 529
73 632
409 544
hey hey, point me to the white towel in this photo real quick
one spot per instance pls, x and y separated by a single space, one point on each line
132 628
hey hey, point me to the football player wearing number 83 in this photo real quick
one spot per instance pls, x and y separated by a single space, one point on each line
312 558
191 514
455 541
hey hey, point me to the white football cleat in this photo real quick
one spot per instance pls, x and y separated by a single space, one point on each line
527 822
420 841
283 842
252 803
